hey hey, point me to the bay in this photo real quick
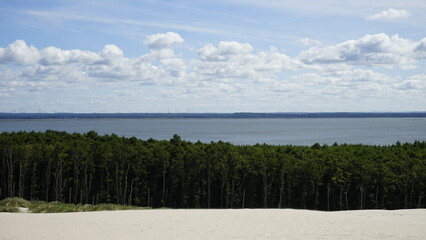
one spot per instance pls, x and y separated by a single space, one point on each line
282 131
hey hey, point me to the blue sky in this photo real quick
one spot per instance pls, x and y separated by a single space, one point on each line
212 56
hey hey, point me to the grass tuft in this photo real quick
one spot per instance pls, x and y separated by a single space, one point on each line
13 204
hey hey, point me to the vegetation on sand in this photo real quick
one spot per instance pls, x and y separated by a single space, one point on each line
16 204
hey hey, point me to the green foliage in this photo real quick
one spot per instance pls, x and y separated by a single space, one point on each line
61 172
13 205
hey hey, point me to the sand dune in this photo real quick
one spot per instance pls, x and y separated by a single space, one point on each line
216 224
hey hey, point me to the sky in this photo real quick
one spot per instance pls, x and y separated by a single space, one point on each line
212 56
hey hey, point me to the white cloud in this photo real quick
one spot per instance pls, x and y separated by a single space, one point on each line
229 61
158 55
224 62
229 70
214 88
109 65
111 52
377 49
18 52
420 49
309 42
49 65
345 77
123 70
287 87
416 82
352 84
163 40
390 14
56 56
224 51
175 66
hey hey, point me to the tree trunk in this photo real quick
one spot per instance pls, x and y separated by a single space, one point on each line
76 180
10 168
58 182
419 202
149 190
129 201
232 193
244 197
33 181
316 196
89 190
346 195
125 184
85 180
281 188
377 197
21 179
3 176
208 188
265 189
47 181
411 195
117 184
164 183
328 196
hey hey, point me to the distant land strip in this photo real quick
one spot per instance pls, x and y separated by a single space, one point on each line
237 115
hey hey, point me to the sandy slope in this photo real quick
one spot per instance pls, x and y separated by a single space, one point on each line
216 224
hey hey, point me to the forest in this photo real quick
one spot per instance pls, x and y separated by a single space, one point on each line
91 169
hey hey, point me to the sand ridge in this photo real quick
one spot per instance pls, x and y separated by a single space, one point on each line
216 224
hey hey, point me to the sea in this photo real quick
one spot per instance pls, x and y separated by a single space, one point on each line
274 131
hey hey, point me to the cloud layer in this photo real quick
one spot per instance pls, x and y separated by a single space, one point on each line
228 72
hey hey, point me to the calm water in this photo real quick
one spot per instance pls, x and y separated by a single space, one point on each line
375 131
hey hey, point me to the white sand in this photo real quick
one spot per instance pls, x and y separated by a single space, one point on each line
215 224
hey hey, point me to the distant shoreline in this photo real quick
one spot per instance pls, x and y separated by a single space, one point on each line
240 115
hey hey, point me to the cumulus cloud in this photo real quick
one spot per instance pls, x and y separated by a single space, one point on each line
176 67
227 61
18 52
377 49
111 51
163 40
224 51
109 65
390 14
232 60
54 68
56 56
220 70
